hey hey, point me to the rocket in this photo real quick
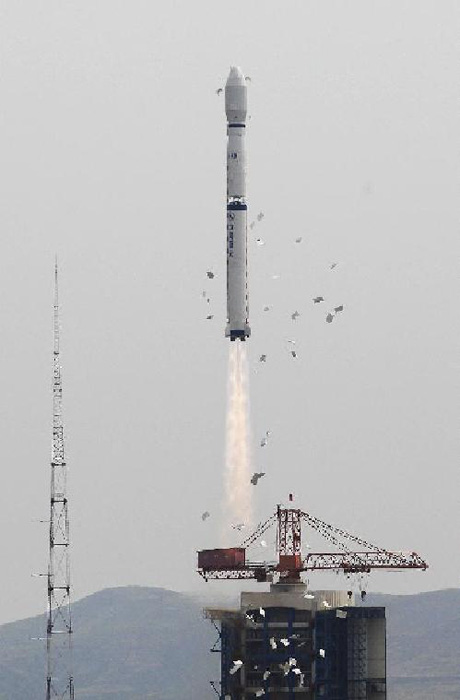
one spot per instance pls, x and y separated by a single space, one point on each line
237 233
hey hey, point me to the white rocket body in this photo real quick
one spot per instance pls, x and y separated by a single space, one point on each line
237 253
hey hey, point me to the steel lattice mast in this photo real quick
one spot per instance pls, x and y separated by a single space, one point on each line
59 679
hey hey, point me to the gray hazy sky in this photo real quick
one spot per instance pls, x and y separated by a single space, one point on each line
112 142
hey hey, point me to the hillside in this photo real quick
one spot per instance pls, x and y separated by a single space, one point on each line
152 644
136 643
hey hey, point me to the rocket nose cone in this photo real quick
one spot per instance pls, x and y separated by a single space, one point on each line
236 76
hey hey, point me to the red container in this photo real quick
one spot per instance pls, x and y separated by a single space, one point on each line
232 558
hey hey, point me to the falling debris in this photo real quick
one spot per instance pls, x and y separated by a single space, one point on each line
219 91
210 274
260 216
264 440
273 644
309 596
299 239
266 675
326 604
260 241
322 653
342 614
262 612
263 543
248 79
297 671
252 224
329 318
205 515
318 300
256 476
263 358
239 527
294 354
236 666
284 641
260 692
290 340
333 265
267 308
337 309
295 315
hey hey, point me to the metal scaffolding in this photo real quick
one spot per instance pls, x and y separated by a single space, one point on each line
59 677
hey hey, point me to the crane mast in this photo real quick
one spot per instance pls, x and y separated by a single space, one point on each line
59 678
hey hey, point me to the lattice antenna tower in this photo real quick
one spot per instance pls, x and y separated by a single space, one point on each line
59 678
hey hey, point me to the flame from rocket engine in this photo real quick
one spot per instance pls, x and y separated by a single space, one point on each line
238 489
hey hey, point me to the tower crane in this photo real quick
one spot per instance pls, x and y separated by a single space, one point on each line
354 555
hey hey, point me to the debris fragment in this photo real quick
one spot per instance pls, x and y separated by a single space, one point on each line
326 604
273 644
299 239
322 653
236 666
295 315
267 308
209 317
329 318
261 691
260 216
264 440
333 265
266 675
263 358
260 241
309 596
239 527
205 515
284 641
210 274
219 91
342 614
318 300
252 224
256 476
294 353
262 612
337 309
263 543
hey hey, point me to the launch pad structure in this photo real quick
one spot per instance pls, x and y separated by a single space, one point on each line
291 641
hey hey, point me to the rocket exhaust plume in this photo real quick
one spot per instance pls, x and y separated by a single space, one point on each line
238 490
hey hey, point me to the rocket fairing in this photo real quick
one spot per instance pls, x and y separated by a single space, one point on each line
237 236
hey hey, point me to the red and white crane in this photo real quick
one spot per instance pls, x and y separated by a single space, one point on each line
354 555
